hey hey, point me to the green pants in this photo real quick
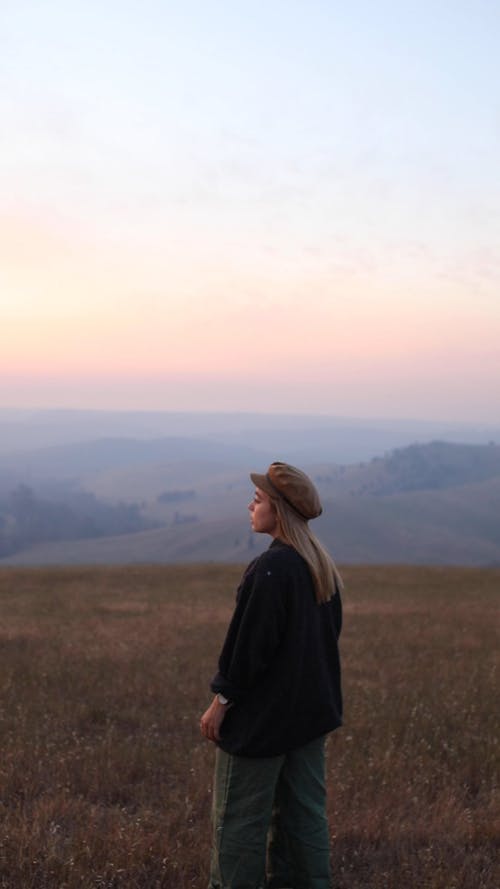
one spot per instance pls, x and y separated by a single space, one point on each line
274 807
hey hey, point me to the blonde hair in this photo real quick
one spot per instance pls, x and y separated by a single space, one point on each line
296 532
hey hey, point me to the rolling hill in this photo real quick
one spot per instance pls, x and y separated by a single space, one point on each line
437 503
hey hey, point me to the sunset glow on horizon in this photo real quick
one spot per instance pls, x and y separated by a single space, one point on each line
293 212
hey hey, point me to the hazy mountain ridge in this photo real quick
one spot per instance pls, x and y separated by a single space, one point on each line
82 458
435 503
302 438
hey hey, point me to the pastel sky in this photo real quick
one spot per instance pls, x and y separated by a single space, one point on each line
281 206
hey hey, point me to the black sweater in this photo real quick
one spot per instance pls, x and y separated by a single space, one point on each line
279 664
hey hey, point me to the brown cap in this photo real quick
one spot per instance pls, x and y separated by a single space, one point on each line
293 486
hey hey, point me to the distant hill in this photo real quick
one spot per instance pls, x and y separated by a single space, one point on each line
72 461
27 519
437 503
454 526
434 466
296 438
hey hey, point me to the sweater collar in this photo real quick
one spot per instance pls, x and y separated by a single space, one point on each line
276 543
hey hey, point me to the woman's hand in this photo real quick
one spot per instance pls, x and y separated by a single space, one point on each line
211 720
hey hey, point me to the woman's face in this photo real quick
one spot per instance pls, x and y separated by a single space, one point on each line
263 516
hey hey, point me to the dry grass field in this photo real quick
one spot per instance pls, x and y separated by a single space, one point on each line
105 781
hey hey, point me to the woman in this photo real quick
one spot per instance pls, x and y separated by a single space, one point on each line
277 694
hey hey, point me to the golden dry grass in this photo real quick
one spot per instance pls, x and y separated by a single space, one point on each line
105 781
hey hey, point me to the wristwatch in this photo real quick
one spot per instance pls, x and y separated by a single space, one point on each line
222 700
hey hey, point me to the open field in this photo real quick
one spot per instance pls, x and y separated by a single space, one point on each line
105 781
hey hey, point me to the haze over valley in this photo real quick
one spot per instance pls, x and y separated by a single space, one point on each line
99 487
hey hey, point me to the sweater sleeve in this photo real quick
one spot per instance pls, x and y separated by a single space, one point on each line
255 632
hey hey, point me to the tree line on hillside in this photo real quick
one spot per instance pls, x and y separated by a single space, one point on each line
438 465
26 519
